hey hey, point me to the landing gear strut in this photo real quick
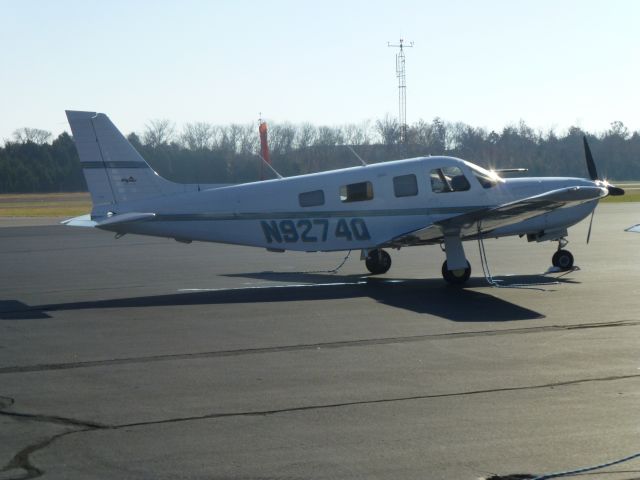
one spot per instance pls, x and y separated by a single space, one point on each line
378 261
563 259
455 269
456 277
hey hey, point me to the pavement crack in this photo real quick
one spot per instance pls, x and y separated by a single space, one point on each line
21 461
69 422
374 401
312 346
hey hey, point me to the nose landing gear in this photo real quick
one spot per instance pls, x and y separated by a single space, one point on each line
563 259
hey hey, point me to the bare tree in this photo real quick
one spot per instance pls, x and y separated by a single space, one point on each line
236 132
439 135
35 135
197 136
306 135
226 138
248 138
357 134
218 137
281 138
329 136
618 129
158 132
389 130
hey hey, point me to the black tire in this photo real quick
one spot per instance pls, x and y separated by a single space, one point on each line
456 277
563 259
378 262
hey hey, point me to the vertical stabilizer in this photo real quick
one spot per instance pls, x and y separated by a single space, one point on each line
115 172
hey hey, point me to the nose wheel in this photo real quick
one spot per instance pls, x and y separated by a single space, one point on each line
378 261
563 259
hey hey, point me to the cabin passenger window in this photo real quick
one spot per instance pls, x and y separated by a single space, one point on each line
405 185
356 192
448 179
311 199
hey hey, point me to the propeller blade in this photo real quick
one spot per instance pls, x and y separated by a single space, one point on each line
591 165
590 223
593 173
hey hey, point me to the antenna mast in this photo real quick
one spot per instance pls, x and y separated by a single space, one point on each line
402 88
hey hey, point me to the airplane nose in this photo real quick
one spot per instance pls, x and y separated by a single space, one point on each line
615 191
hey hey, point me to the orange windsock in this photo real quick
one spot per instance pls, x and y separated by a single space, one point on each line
264 146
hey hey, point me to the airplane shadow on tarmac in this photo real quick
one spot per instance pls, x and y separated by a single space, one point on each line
422 296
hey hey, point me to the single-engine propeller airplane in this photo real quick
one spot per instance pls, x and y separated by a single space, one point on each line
417 201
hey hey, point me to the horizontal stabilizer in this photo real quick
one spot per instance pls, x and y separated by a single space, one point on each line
124 218
635 229
81 221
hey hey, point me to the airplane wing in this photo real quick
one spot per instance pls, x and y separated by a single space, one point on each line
635 229
484 220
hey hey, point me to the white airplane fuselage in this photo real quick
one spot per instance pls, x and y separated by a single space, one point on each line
270 214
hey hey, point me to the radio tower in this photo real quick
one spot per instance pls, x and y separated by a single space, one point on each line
402 88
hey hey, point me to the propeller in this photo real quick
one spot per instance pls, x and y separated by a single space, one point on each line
593 174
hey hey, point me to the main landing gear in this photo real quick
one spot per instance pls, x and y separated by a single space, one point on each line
458 276
378 261
563 259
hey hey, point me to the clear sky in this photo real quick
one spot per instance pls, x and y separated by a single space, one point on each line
487 63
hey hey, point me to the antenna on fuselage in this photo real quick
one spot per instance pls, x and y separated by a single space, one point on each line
510 170
364 164
264 162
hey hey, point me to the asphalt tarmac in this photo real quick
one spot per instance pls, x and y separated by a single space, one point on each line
143 358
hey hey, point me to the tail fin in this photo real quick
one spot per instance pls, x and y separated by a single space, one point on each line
115 172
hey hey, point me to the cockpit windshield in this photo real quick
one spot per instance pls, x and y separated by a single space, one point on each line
487 178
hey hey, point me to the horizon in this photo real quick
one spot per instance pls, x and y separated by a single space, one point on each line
178 130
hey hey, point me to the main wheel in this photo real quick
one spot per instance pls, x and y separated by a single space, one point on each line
456 277
563 259
378 261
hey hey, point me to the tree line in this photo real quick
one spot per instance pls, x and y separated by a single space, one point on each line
207 153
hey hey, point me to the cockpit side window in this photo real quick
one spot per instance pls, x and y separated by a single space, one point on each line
448 179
